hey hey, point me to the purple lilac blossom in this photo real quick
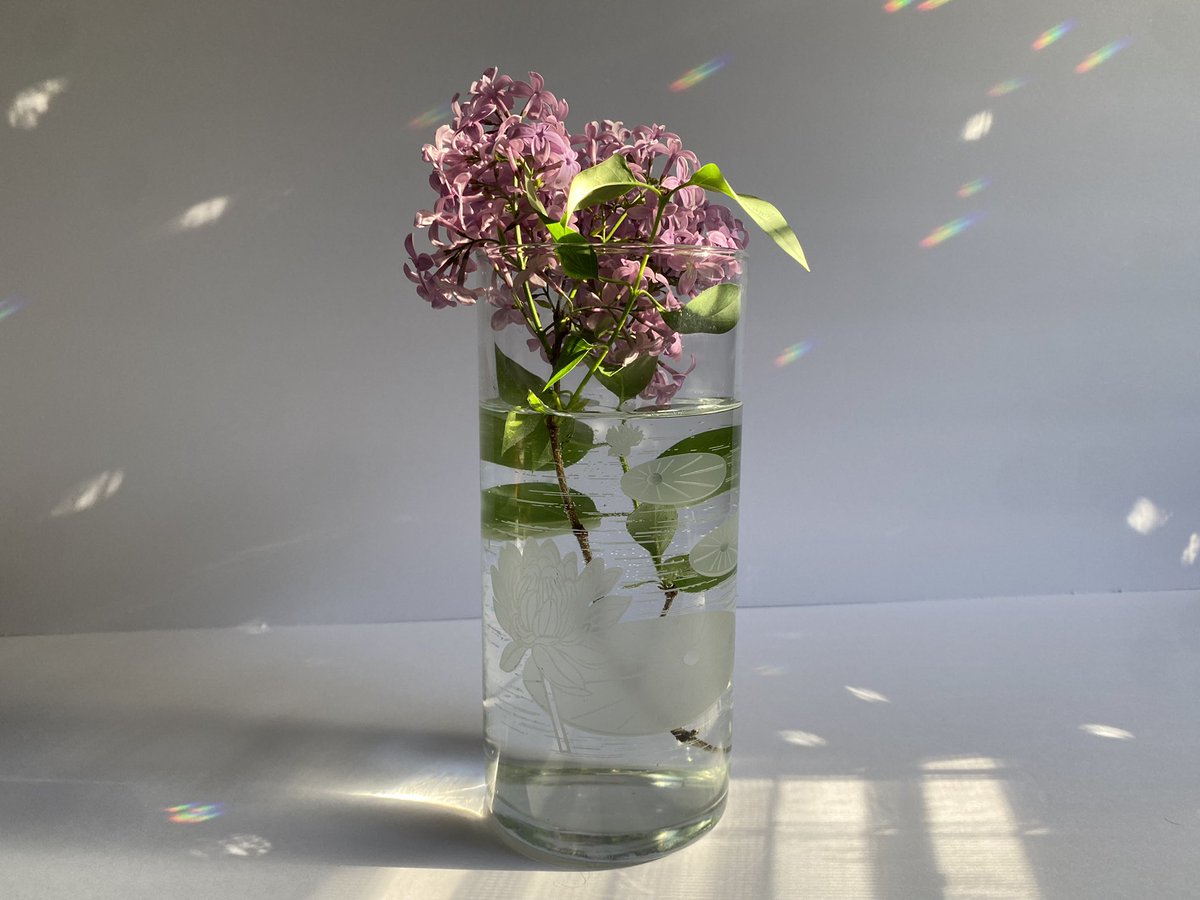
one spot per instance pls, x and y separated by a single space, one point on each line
507 139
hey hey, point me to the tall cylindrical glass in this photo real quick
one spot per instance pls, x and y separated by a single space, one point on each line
610 534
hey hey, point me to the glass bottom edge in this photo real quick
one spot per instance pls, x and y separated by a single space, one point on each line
581 849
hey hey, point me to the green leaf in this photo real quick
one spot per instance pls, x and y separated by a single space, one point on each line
536 402
517 427
513 381
538 207
577 256
653 526
725 442
765 215
575 350
520 440
678 573
601 182
714 311
515 512
574 251
629 380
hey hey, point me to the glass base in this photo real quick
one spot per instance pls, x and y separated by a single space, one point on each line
600 818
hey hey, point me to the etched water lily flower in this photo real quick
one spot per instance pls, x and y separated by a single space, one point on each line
549 607
622 439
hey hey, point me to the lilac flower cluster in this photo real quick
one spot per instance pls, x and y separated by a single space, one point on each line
506 152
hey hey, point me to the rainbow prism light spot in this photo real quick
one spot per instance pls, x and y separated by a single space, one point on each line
947 231
792 353
932 4
431 117
1103 55
1050 35
9 305
190 813
1007 87
693 77
971 188
895 5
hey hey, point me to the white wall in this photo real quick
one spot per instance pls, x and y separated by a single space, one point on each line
294 429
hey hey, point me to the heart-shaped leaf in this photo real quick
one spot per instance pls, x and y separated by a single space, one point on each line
575 252
653 526
575 350
520 440
514 381
714 311
629 380
517 427
516 512
601 182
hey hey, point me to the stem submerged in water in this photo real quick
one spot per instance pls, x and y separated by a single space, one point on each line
560 733
581 534
683 735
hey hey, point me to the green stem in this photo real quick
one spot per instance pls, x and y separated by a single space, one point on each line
532 320
605 236
633 295
625 469
560 733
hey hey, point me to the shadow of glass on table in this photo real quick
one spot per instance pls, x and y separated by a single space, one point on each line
208 787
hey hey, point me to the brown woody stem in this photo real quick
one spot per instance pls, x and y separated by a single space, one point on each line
577 528
684 736
671 594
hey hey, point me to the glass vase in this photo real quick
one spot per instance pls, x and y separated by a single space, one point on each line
609 532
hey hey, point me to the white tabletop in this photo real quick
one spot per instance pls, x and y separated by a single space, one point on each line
1004 748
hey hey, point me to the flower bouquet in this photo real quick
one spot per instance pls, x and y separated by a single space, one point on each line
611 291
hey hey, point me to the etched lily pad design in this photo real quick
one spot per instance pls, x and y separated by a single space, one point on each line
644 676
678 574
679 480
716 553
724 442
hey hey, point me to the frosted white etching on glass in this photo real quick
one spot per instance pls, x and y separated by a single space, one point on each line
589 670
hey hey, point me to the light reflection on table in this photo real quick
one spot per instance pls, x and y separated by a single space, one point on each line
1015 748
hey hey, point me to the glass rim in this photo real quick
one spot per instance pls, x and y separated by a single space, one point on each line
624 246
